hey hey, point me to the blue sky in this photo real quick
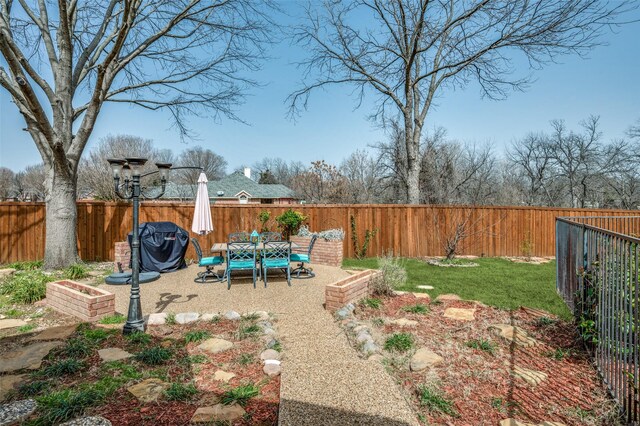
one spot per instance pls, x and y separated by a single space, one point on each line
606 84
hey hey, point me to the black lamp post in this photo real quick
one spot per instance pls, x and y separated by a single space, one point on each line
129 169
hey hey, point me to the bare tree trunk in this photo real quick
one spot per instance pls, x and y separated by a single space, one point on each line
412 140
61 239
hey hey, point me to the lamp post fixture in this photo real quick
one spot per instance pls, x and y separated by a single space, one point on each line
129 169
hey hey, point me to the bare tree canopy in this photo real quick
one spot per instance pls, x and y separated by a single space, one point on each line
214 165
63 60
409 50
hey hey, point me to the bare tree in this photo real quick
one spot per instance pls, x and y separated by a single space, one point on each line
63 60
214 165
409 50
321 183
362 178
30 183
6 183
284 172
533 157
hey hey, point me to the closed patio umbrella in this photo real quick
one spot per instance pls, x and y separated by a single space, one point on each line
202 215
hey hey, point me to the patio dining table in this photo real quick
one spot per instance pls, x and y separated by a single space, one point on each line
222 247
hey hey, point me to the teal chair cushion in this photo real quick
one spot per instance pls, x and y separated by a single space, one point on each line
242 264
211 261
275 263
297 257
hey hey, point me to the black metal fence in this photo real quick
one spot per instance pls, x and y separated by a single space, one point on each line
597 275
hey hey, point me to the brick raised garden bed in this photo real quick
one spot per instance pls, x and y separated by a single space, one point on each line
324 252
80 300
349 289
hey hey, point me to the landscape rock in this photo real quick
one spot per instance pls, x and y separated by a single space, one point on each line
9 383
534 378
187 317
364 337
360 328
270 354
423 359
110 326
232 315
26 357
422 296
270 342
223 376
15 412
88 421
351 324
215 345
342 313
55 333
148 390
404 322
399 293
272 368
370 348
157 319
6 272
208 317
460 314
218 413
11 323
513 334
113 354
444 297
268 331
350 307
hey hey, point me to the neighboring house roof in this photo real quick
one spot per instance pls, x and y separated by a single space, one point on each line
231 187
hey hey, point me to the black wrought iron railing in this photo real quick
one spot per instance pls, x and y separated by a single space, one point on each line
597 275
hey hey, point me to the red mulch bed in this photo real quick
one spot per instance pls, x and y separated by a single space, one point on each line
122 408
480 385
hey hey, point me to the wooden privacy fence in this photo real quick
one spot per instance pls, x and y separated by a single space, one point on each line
406 230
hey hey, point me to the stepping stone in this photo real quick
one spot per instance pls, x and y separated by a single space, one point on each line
215 345
272 368
187 317
88 421
404 322
534 378
113 354
425 287
29 357
513 334
270 354
6 272
399 293
157 319
223 376
148 390
422 296
445 297
110 326
14 412
54 333
218 413
460 314
8 383
11 323
208 317
424 358
232 315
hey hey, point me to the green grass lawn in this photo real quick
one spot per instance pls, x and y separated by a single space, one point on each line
496 282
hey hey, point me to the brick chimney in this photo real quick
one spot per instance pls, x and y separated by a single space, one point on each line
247 172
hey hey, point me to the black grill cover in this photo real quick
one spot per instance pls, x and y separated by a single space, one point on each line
162 246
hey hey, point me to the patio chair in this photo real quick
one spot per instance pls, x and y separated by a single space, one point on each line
207 262
267 237
303 255
241 257
239 237
276 256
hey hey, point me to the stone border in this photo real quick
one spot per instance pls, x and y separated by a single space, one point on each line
329 253
349 290
80 300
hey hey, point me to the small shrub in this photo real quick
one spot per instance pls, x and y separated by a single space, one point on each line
113 319
196 359
180 392
26 287
139 338
239 395
277 346
417 309
26 328
96 335
64 405
154 356
526 246
264 217
13 313
378 322
289 222
434 400
250 317
126 372
481 345
76 272
371 302
196 336
34 388
545 321
399 342
77 348
248 331
393 275
171 319
246 359
63 367
361 251
28 265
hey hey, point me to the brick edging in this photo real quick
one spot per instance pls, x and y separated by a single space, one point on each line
80 300
349 289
